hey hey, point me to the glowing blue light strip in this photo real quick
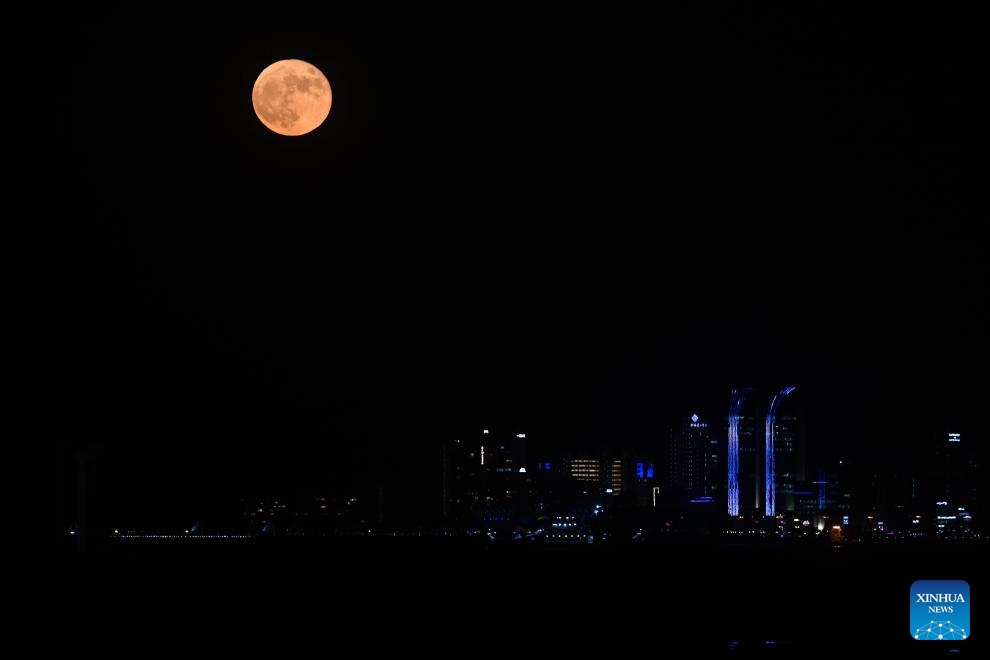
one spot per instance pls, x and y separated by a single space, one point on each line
736 400
821 489
770 502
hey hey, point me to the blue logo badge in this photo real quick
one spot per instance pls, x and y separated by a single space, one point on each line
940 610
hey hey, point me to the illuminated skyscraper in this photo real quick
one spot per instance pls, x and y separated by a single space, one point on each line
956 464
692 471
605 475
764 469
736 401
744 456
789 461
585 469
781 454
958 478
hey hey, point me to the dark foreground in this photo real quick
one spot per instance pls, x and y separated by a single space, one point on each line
409 596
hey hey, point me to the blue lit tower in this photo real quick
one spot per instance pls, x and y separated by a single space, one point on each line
770 503
736 400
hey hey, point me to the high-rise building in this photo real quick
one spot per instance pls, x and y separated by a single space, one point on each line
958 468
714 483
614 476
736 400
780 443
604 475
789 461
750 463
585 469
461 464
641 482
692 461
482 477
765 468
503 477
958 508
744 456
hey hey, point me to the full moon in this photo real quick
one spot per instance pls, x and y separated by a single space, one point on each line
291 97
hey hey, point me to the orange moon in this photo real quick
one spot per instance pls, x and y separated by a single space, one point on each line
291 97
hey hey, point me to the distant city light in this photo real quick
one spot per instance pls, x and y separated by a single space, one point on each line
205 537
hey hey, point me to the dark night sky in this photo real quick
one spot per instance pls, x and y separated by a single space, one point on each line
578 223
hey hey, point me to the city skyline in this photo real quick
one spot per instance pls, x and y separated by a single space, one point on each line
498 486
590 234
688 466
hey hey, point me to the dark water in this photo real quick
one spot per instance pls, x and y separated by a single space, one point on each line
403 594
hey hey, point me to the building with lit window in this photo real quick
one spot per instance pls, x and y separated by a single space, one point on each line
605 475
483 477
614 476
693 461
462 462
585 469
789 464
749 463
764 456
641 482
780 456
957 510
